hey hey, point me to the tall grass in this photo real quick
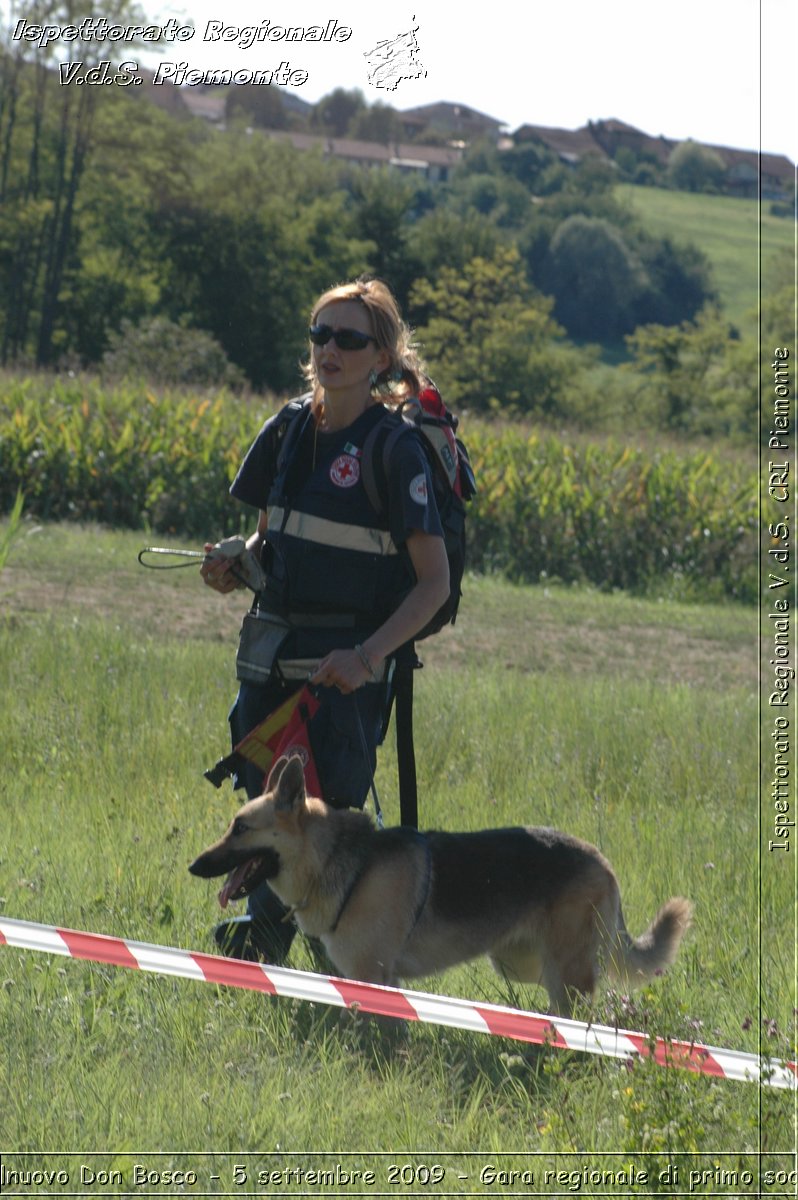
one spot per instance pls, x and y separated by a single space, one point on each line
107 728
12 527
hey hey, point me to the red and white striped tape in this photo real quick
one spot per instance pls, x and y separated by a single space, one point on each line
399 1002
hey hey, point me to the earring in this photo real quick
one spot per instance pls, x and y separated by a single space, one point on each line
373 377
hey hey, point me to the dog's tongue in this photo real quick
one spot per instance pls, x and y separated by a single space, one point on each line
232 884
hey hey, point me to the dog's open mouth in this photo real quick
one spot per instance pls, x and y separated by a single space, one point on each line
244 879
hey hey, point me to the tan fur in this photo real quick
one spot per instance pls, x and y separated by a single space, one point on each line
388 905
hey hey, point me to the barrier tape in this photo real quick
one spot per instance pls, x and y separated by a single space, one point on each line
493 1019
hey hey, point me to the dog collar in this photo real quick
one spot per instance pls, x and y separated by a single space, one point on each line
293 909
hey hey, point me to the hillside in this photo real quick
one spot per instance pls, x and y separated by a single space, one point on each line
727 230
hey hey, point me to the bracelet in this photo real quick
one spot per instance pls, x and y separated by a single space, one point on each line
366 661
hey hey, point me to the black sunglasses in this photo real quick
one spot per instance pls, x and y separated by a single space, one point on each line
345 339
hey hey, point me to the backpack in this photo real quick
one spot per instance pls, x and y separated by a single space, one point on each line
452 476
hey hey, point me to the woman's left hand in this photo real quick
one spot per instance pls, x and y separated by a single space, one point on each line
345 670
348 669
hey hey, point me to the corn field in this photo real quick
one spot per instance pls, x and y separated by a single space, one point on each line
547 508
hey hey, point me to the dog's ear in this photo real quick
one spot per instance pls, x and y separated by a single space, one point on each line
290 794
275 773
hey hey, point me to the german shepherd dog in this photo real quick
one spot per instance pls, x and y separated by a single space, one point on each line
394 903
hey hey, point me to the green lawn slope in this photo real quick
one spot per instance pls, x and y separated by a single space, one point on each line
728 230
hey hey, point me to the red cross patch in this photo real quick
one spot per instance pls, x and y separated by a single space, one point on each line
345 471
418 489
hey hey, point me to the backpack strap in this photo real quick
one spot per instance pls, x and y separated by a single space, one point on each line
405 750
294 417
374 472
386 432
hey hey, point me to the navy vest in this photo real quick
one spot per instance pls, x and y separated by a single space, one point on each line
328 555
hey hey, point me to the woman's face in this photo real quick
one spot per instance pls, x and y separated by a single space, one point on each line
337 369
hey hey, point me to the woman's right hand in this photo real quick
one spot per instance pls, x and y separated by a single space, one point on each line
217 571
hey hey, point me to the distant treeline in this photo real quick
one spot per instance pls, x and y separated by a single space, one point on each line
144 244
115 211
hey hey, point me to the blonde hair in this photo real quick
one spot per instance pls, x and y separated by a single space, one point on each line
405 374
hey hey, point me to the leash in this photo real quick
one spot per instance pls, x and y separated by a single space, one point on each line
166 550
365 749
191 556
405 750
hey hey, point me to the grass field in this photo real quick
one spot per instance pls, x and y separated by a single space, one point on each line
727 230
630 723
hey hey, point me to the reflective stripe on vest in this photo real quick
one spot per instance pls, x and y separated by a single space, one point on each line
335 534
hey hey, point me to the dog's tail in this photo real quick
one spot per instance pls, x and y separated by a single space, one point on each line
632 960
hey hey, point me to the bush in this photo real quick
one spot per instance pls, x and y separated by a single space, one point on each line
695 168
168 354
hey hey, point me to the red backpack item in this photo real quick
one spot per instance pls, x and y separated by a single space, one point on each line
452 475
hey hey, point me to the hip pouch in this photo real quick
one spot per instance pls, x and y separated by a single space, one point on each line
260 640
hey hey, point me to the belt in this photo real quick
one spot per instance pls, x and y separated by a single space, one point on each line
294 669
301 620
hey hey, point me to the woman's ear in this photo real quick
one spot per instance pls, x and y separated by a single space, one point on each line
382 362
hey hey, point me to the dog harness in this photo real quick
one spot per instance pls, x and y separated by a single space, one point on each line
404 832
400 831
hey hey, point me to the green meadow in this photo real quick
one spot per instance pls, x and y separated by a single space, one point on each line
630 722
735 234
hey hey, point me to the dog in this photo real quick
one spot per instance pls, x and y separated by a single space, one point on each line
397 904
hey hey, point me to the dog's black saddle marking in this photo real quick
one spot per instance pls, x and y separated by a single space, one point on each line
500 868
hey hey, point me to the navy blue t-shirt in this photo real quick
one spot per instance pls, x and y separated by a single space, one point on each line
326 548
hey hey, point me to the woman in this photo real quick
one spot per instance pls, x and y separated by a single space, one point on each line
346 589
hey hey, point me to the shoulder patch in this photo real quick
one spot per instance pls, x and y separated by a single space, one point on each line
418 489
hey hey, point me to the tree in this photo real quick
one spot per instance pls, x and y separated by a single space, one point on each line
498 196
526 162
695 168
335 112
245 260
695 377
377 123
140 167
490 340
680 281
595 279
261 105
46 135
444 239
382 203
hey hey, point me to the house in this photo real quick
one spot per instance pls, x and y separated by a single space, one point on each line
570 145
603 139
746 169
206 102
457 121
435 163
613 135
